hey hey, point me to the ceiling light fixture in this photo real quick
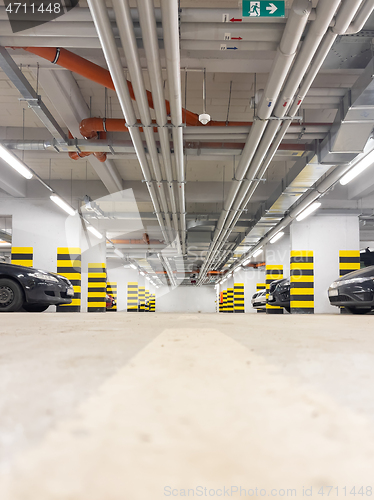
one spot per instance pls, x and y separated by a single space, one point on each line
62 204
357 169
95 232
309 210
258 252
15 162
133 266
277 237
237 269
141 272
246 262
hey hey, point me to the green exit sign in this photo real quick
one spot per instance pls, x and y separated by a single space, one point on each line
263 9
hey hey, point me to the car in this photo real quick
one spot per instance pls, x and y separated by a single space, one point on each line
259 300
279 294
354 291
32 289
110 302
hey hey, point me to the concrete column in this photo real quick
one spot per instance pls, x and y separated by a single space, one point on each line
93 251
325 236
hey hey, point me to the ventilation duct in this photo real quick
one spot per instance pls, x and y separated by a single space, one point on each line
353 124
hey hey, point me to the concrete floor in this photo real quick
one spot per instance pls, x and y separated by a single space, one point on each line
146 406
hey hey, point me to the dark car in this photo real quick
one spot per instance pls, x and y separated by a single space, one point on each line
110 302
279 294
32 289
354 291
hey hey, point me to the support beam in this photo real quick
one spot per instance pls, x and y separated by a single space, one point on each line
11 182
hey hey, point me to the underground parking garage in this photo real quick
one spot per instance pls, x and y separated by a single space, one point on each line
186 249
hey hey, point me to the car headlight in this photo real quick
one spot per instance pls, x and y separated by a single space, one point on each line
335 284
44 277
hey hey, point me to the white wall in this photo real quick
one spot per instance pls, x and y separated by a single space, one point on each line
185 299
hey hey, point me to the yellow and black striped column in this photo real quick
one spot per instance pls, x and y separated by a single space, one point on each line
152 303
224 304
259 287
96 298
141 299
220 303
302 282
273 273
349 260
111 289
230 300
239 298
69 266
132 297
22 256
146 303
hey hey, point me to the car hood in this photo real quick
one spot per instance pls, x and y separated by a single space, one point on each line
365 272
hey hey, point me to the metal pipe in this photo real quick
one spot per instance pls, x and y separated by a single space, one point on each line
128 40
169 9
285 56
361 18
148 25
103 27
324 14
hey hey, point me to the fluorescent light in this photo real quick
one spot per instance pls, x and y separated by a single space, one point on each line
15 162
133 266
148 278
95 232
62 204
312 208
258 252
246 262
237 269
357 169
141 272
277 237
119 253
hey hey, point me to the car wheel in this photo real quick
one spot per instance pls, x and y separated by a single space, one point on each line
356 310
35 308
11 296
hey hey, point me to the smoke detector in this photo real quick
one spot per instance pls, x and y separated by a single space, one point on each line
204 118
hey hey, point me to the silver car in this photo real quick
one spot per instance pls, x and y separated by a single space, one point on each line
259 300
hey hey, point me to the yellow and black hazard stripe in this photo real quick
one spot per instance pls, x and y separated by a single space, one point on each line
96 298
302 282
141 299
230 300
349 260
273 273
239 298
152 303
132 297
111 289
146 302
22 256
69 266
259 287
224 303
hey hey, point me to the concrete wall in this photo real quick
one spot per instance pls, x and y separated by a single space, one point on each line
185 299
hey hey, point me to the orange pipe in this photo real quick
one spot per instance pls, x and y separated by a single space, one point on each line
95 73
74 155
89 127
